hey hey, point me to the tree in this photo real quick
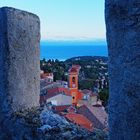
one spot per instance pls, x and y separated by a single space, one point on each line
104 95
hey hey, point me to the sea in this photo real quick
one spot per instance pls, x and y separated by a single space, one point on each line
63 50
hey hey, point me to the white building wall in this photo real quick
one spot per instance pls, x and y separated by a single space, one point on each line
60 99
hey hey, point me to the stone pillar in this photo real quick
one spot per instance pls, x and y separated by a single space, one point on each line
123 37
19 60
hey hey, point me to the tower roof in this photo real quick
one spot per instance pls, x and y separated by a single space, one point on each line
74 69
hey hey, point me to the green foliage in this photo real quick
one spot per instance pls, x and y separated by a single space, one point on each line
54 66
104 95
86 84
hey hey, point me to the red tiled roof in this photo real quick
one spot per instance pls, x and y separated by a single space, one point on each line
50 93
44 75
43 98
73 70
95 114
61 108
65 90
80 120
99 112
76 66
53 92
59 89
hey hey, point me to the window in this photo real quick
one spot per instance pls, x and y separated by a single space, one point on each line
73 79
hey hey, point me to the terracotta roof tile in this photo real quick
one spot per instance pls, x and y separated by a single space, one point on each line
78 67
80 120
73 70
95 114
53 92
61 108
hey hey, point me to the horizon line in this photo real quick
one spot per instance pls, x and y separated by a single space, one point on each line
73 40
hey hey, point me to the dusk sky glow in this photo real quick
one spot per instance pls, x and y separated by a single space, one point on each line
65 19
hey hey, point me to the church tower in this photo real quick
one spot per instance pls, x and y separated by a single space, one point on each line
73 83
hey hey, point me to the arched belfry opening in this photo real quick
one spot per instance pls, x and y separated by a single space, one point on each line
73 80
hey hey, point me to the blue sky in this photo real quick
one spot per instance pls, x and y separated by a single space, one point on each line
65 19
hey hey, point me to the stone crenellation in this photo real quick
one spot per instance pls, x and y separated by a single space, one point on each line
19 60
123 37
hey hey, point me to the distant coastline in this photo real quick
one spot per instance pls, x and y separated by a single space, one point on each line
63 50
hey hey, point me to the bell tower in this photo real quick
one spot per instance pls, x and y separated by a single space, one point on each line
73 82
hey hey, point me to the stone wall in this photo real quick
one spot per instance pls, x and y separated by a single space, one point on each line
19 60
123 37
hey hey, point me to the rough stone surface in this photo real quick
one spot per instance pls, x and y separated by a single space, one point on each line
19 60
123 37
39 124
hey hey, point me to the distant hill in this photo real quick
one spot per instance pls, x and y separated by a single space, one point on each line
85 58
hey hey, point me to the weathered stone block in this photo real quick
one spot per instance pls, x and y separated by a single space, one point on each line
123 37
19 60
